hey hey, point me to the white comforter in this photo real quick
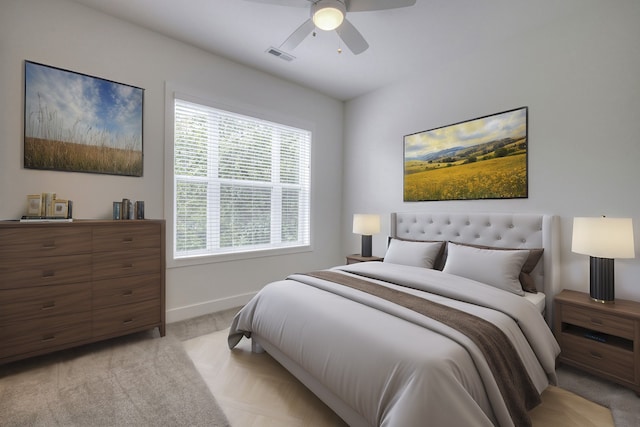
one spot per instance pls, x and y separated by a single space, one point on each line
392 366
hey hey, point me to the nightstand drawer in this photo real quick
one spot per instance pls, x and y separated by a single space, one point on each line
599 356
601 322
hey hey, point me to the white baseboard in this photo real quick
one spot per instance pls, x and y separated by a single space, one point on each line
190 311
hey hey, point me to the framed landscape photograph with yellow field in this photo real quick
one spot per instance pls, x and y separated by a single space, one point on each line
79 123
482 158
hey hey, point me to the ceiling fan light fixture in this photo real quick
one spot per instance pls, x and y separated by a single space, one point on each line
328 14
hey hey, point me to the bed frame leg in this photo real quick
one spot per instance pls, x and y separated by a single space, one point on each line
256 347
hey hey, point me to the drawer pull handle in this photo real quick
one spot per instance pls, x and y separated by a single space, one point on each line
49 245
127 266
48 274
50 337
595 355
48 305
596 321
127 240
127 321
127 293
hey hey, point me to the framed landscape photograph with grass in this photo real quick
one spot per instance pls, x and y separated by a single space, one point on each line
79 123
483 158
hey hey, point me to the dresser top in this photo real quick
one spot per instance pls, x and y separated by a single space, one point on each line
78 222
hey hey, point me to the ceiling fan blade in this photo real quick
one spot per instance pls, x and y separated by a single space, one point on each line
298 35
366 5
289 3
352 37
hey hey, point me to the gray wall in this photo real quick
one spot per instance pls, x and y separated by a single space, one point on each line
579 76
66 35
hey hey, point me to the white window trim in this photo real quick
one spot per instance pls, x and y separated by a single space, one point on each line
171 92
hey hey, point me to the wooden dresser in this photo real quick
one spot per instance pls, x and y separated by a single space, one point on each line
67 284
603 339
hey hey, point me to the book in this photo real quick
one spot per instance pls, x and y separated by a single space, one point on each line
47 203
596 336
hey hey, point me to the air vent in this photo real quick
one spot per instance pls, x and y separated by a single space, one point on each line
280 54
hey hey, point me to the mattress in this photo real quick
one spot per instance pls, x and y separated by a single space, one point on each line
536 299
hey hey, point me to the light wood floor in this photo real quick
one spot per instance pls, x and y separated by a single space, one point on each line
254 390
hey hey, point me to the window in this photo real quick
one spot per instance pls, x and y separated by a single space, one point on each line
241 183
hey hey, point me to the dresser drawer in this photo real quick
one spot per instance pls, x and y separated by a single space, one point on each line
112 265
121 319
601 322
128 236
126 290
42 302
29 271
602 357
19 243
40 334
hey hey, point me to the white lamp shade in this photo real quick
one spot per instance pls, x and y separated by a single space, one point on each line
328 14
603 237
366 224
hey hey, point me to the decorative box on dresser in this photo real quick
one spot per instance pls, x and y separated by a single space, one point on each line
72 283
603 339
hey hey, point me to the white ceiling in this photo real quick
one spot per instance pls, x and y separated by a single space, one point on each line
402 41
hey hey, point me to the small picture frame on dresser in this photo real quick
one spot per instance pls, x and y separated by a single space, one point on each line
34 204
60 208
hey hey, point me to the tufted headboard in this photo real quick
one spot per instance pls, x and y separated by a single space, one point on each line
503 230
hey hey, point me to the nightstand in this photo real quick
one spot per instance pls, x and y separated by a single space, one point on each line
352 259
603 339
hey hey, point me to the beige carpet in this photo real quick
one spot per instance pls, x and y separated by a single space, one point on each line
254 390
137 380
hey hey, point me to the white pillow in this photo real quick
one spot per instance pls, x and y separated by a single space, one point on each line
417 254
499 268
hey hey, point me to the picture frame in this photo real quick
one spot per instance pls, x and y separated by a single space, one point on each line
481 158
34 204
75 122
60 208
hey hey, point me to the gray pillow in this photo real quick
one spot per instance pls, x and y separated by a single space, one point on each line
498 268
414 253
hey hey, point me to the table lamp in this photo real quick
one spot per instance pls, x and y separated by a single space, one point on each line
366 225
603 239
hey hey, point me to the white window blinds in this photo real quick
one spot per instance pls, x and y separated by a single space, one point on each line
241 183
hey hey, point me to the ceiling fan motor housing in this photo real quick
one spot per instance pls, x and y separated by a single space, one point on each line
331 20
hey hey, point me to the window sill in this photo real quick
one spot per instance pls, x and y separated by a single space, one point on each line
212 259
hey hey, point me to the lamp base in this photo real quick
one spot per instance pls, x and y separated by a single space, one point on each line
601 287
366 245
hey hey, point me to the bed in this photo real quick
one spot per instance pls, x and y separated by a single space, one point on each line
440 333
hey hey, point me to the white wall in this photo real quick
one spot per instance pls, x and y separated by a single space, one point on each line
580 78
66 35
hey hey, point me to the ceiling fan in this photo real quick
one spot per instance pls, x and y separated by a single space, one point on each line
329 15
